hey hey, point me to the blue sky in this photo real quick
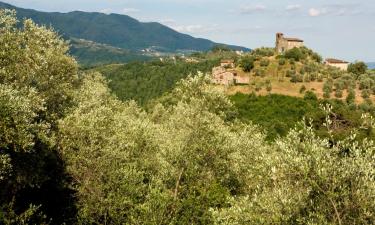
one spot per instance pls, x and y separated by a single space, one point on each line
342 29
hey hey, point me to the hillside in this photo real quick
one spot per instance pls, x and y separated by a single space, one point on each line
89 53
117 30
294 76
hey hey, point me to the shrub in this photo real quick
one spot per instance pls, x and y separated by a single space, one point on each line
264 62
258 87
295 53
357 68
306 78
309 95
282 61
366 93
320 77
316 57
338 93
296 78
327 87
302 89
366 83
247 63
351 96
263 51
268 87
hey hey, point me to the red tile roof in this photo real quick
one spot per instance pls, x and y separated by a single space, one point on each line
336 61
294 39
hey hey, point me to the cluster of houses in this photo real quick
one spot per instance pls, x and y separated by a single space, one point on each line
225 74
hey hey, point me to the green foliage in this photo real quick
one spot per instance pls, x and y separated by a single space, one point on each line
220 48
247 63
276 113
37 79
295 54
310 96
282 61
263 52
264 62
307 180
145 81
351 96
357 68
338 93
71 152
89 54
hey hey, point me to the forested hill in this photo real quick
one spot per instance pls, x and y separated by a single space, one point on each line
117 30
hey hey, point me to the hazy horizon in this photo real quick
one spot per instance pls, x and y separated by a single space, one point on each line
335 29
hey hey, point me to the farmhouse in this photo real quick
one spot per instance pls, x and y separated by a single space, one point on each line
284 44
227 63
223 76
342 65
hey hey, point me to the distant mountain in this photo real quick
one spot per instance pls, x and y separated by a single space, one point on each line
117 30
371 65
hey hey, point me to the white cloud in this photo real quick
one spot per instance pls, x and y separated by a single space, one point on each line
293 7
168 21
195 28
335 10
253 9
130 10
315 12
106 11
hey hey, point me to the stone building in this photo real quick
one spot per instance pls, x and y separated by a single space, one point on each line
227 77
227 63
284 43
342 65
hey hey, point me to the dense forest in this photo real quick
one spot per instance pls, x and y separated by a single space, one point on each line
72 152
144 81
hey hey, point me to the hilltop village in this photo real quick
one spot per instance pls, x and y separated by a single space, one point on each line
226 74
290 68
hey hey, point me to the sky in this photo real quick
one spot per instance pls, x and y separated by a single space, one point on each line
343 29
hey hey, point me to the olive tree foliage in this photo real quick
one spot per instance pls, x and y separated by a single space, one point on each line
309 180
109 151
35 57
36 78
168 165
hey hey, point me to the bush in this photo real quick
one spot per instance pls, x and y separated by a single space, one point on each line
320 77
316 57
366 93
258 87
263 52
282 61
309 95
295 54
313 76
290 73
247 63
338 93
351 96
306 78
296 78
264 62
302 89
268 87
357 68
